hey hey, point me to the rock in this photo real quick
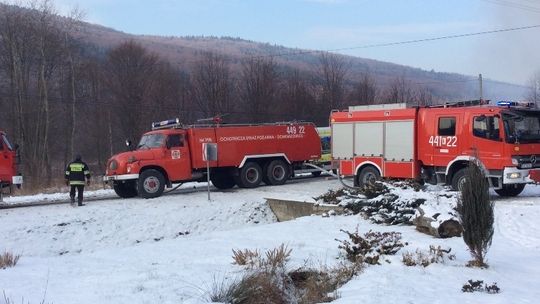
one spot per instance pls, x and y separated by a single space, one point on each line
449 228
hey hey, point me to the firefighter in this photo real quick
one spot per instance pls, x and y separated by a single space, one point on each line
77 175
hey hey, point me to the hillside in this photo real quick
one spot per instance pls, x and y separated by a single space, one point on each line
183 51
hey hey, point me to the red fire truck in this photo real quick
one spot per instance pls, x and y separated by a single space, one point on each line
435 144
8 165
246 155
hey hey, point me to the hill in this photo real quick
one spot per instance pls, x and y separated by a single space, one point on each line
184 51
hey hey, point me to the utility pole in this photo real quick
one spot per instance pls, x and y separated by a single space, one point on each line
481 88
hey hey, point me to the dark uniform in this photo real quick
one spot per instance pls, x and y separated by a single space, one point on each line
77 175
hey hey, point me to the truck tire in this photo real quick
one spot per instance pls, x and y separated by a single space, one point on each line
367 175
250 175
151 183
125 189
510 190
277 172
459 179
222 180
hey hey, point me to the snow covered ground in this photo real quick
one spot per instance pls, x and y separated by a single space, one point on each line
172 249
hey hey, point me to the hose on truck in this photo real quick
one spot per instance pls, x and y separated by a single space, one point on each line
337 175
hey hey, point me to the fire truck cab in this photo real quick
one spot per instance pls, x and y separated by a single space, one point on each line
435 144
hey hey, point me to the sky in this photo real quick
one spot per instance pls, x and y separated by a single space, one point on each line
350 25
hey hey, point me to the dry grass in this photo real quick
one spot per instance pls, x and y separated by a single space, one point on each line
8 259
266 280
272 259
420 258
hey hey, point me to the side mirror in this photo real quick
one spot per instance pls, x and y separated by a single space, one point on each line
168 144
129 144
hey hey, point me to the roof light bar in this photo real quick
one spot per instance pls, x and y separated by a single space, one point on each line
507 103
165 123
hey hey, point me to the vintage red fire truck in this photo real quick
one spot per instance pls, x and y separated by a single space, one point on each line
246 155
8 165
435 144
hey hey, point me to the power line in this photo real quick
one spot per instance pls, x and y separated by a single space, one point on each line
528 8
405 42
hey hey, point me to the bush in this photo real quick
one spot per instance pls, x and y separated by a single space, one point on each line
476 214
478 286
369 248
435 255
266 280
8 259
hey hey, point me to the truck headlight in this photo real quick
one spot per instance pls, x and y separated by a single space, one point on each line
513 175
128 169
515 161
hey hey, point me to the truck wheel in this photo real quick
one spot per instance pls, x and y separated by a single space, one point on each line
250 175
222 180
510 190
277 172
151 183
126 189
459 178
368 175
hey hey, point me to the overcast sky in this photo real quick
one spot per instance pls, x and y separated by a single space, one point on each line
336 24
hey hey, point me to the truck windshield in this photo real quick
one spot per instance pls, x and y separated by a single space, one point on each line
7 143
149 141
522 126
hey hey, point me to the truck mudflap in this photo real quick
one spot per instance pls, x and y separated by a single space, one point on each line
108 178
512 175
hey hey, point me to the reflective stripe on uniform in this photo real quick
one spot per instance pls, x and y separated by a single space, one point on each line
76 183
86 172
76 167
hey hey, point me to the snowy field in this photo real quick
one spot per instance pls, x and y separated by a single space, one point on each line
172 249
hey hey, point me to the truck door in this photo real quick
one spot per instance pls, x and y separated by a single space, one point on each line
486 139
446 143
178 161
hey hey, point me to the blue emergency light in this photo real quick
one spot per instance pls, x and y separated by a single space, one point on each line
524 104
165 123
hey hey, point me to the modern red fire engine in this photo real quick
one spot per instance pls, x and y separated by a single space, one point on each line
245 156
435 144
8 165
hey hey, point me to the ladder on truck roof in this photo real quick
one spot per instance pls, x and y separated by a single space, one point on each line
459 104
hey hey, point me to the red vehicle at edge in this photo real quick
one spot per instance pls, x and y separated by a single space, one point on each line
435 144
8 164
246 155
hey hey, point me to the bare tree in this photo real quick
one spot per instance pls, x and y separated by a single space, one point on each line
332 72
211 84
423 97
533 94
365 91
297 100
400 91
130 73
258 87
